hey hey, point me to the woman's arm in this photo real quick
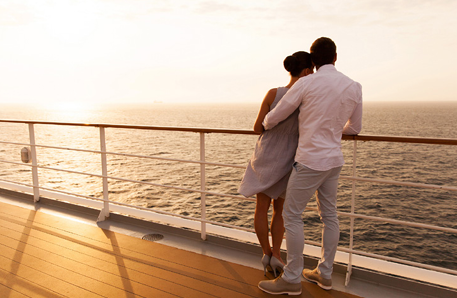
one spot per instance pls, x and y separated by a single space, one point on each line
264 109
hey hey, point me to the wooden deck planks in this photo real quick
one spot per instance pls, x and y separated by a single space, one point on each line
42 255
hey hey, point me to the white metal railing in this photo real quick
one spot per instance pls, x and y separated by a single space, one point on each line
107 204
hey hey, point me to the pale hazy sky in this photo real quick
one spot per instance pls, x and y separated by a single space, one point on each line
121 51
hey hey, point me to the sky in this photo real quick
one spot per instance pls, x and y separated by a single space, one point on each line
90 52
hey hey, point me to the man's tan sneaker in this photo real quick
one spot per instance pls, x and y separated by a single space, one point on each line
314 277
279 286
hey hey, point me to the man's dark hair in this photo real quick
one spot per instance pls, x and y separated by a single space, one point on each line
323 51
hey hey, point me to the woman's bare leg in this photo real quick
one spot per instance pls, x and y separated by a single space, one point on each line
277 227
261 222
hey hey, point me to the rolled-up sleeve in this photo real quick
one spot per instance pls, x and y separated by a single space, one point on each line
354 124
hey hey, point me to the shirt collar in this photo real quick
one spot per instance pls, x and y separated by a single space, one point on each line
327 67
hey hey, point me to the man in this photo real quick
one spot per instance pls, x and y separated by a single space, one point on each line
330 105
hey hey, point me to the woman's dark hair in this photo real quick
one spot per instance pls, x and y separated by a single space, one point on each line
323 51
298 61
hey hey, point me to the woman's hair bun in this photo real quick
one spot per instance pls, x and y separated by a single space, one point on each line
296 62
291 63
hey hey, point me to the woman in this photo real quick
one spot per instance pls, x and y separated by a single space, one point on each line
269 168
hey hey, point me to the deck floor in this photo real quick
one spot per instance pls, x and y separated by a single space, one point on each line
43 255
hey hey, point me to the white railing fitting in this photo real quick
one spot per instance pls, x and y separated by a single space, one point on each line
202 186
104 213
351 231
36 185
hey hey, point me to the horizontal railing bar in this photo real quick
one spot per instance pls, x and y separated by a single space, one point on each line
393 182
52 189
14 143
183 216
397 260
54 147
16 163
136 181
393 221
386 258
131 155
440 141
183 188
179 160
400 222
144 127
153 210
16 182
415 140
54 169
71 193
228 225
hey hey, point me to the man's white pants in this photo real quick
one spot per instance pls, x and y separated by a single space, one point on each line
303 183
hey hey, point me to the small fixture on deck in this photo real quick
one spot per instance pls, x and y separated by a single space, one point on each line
26 155
152 237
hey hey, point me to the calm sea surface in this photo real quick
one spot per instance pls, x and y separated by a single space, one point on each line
404 162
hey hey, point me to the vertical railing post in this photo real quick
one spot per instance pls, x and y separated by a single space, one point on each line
351 233
104 213
36 186
203 185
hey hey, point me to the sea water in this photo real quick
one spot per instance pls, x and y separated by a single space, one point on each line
433 164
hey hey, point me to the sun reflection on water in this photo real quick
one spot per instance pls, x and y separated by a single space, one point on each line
72 111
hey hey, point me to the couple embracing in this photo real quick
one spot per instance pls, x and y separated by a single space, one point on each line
298 154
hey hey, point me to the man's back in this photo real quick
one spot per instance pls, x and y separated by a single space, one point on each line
328 101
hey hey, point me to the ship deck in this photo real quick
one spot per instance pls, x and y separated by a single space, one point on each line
50 251
43 255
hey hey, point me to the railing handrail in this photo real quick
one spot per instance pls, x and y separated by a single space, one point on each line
404 139
145 127
365 138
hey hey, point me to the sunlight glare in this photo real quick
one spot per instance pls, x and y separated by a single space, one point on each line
71 107
72 111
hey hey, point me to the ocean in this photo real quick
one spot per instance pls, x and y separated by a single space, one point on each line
435 164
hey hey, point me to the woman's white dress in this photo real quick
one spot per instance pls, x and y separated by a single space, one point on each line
271 163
